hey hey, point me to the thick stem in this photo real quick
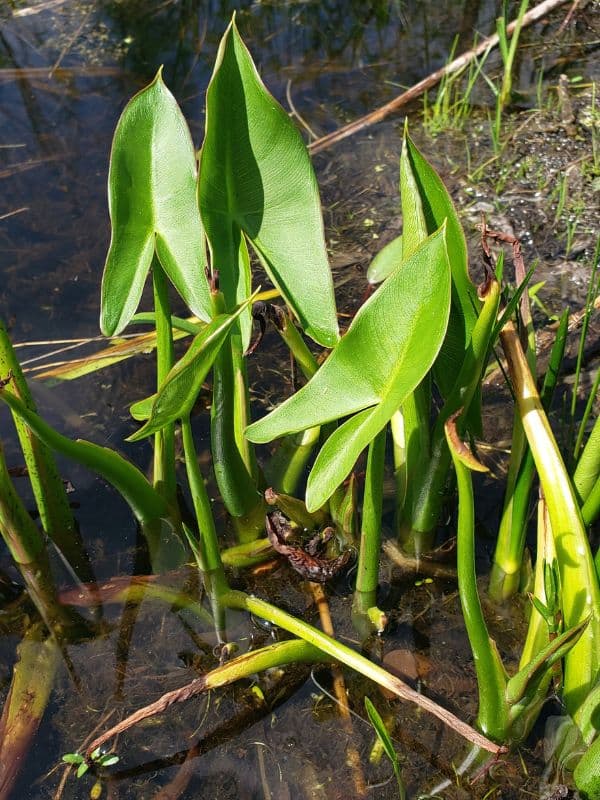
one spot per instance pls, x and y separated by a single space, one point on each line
164 440
579 580
48 489
233 459
424 510
147 504
493 715
26 545
297 346
587 471
19 531
508 556
367 575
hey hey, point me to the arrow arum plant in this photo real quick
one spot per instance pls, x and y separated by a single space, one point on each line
411 362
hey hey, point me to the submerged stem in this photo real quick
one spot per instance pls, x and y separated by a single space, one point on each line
351 658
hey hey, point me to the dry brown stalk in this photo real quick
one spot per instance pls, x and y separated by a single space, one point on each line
339 690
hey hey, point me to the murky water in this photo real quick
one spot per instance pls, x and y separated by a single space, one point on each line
65 75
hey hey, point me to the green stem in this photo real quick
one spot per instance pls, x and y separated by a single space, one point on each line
416 412
26 546
19 531
367 575
164 439
591 507
297 346
579 580
505 576
48 489
286 467
207 546
233 459
146 503
587 471
493 715
537 629
423 510
399 454
247 554
352 659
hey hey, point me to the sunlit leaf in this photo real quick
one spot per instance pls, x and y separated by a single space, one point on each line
180 389
389 347
152 204
386 261
257 178
437 206
386 742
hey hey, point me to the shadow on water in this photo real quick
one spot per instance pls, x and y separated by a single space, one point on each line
65 75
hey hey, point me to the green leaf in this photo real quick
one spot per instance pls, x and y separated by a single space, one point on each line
180 389
389 347
386 261
257 178
142 409
381 731
437 206
73 758
527 679
152 204
386 742
108 760
82 769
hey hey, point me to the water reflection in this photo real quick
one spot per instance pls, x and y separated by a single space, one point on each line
66 72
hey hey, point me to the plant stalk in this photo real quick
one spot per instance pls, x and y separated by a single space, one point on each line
354 660
164 440
579 580
48 489
367 575
493 714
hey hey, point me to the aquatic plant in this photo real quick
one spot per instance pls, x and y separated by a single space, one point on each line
426 332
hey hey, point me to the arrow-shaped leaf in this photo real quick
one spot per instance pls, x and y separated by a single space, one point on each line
257 177
152 204
389 347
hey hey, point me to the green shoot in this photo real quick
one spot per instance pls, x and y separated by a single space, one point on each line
386 742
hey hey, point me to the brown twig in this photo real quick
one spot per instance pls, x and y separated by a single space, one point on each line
339 690
31 10
569 16
419 88
70 43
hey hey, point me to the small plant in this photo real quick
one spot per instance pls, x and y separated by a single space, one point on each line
387 744
96 759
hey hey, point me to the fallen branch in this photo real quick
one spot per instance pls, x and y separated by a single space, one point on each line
418 89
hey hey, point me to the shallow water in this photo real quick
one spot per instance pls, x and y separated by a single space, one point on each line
65 74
